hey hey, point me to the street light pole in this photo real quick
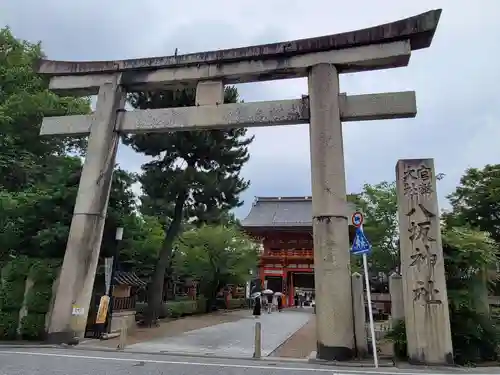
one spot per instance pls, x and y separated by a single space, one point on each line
118 238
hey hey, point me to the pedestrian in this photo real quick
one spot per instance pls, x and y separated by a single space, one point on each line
269 303
296 300
256 307
280 303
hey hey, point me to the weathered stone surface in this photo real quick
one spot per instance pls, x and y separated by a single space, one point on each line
271 113
422 264
349 60
84 241
397 300
209 93
419 30
358 306
332 276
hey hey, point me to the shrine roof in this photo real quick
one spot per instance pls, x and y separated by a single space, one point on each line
128 278
281 212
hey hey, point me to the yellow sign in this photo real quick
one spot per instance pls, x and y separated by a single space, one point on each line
103 310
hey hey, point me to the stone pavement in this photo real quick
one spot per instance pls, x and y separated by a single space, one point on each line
300 344
231 339
170 328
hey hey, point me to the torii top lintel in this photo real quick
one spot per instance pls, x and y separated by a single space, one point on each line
418 30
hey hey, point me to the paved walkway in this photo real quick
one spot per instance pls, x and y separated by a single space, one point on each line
168 328
300 344
232 339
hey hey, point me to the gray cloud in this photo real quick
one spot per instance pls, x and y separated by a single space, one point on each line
455 80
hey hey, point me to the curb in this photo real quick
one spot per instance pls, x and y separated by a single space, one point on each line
176 354
356 364
28 346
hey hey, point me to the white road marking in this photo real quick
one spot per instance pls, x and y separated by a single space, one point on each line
229 365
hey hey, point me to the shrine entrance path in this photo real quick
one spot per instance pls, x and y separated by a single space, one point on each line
230 339
169 328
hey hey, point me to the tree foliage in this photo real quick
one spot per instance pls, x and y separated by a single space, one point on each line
194 176
38 175
476 200
379 205
27 158
215 256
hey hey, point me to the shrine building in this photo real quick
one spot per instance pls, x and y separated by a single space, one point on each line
284 227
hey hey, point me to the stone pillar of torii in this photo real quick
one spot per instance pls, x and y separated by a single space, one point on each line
320 59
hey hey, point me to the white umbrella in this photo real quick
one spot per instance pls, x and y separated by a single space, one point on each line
278 294
267 291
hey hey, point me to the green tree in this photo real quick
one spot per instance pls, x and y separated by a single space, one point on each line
142 240
194 175
27 158
36 220
215 256
476 200
38 178
379 205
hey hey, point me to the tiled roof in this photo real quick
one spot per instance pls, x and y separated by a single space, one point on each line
281 212
128 278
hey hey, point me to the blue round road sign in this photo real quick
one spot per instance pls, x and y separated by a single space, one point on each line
357 219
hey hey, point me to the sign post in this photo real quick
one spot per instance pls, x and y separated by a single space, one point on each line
361 246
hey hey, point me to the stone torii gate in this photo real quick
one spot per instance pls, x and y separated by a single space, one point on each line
320 59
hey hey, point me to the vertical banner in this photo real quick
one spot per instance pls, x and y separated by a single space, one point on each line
102 312
108 270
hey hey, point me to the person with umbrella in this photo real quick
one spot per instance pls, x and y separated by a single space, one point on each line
269 294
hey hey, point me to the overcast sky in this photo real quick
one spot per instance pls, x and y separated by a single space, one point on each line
456 79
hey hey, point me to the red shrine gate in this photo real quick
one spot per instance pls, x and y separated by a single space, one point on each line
284 225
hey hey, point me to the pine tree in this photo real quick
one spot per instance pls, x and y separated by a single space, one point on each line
194 176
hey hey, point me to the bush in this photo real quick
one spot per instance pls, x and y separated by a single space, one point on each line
16 270
398 337
475 336
176 309
8 325
38 298
33 326
201 305
237 303
12 295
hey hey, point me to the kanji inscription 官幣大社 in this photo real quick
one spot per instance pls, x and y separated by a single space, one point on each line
422 264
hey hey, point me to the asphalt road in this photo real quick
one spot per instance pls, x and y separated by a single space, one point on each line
47 361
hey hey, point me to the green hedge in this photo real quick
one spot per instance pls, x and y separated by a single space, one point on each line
33 326
43 273
8 325
176 309
12 288
237 303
